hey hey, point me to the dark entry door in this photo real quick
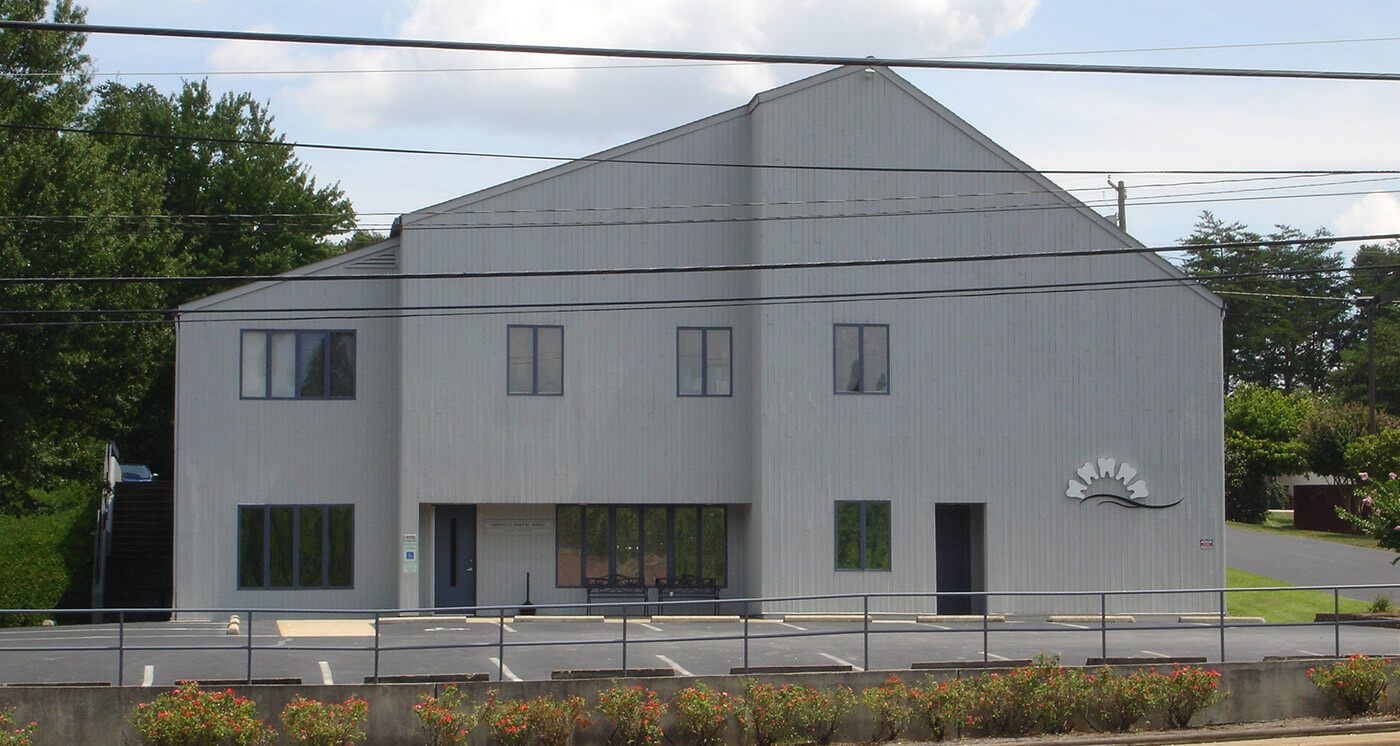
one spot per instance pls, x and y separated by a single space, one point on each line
454 566
958 547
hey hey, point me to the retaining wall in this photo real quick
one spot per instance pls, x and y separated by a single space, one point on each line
102 715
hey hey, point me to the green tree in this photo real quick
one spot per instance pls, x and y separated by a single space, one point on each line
1279 342
1261 442
228 206
1373 271
1328 429
67 386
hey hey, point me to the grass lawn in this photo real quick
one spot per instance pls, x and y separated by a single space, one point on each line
1282 523
1279 606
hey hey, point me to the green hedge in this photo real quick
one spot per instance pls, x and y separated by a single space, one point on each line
46 562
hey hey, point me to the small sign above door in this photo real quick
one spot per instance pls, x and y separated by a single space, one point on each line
518 527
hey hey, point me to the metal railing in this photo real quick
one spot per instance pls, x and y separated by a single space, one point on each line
986 624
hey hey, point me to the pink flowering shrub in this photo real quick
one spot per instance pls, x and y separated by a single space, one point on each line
1379 513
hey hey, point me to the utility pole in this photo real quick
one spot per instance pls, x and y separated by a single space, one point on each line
1369 304
1122 191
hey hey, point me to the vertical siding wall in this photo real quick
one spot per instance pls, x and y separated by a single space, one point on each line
234 451
994 400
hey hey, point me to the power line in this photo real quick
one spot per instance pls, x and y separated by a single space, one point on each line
398 312
282 143
693 56
699 269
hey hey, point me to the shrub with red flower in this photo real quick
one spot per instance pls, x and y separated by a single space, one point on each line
314 723
1186 691
635 712
1359 682
704 713
447 720
12 736
190 716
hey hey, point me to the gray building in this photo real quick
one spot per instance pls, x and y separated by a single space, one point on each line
1020 413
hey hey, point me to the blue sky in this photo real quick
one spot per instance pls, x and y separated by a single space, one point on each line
1050 120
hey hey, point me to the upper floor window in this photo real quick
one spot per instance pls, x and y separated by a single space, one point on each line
861 358
703 357
295 364
535 360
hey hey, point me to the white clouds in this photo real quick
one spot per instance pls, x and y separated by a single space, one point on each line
1375 213
566 97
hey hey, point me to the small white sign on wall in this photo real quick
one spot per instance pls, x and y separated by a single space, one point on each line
410 554
518 526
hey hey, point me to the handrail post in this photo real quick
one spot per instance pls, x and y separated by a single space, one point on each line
746 639
376 646
865 632
501 643
1336 624
986 635
121 646
249 646
1103 626
1222 625
624 641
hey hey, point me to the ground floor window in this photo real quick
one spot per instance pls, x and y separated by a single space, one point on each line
646 541
862 535
296 546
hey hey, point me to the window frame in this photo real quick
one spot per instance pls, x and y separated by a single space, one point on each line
580 541
266 548
705 360
298 335
864 563
860 328
535 359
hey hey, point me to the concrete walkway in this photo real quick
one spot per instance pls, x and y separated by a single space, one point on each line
1302 561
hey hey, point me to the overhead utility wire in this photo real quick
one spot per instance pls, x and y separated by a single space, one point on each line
237 216
697 269
664 54
483 309
705 164
546 68
983 210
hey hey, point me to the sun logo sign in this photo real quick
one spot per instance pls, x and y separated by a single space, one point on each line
1112 483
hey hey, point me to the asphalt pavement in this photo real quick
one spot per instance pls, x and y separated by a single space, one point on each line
1302 561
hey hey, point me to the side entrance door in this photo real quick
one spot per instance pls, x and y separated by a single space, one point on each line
454 566
958 557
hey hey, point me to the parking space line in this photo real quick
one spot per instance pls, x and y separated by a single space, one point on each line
148 675
651 627
1153 652
505 670
326 673
840 661
994 656
930 624
794 626
508 628
674 666
1072 626
1309 652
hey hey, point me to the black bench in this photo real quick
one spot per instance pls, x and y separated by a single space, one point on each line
615 588
686 588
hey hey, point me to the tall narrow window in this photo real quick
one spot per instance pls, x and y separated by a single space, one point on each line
296 546
703 361
535 360
862 535
861 359
294 364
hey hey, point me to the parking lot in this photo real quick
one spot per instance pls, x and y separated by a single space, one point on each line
344 651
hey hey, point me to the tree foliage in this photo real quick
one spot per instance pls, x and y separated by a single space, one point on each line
1373 272
1328 429
1279 342
171 202
1261 442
